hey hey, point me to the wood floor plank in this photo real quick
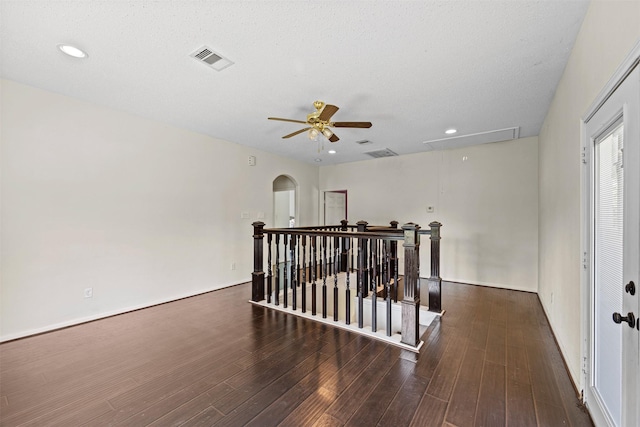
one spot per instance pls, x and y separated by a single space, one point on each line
462 405
400 412
543 380
430 412
352 370
497 343
376 404
520 406
551 415
349 401
491 402
479 333
311 409
446 373
200 405
206 418
328 421
517 365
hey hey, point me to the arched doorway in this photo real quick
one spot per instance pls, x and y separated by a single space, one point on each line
284 202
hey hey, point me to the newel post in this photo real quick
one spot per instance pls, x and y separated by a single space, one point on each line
257 277
435 281
411 302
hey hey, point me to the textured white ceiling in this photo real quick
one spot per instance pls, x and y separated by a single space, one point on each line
412 68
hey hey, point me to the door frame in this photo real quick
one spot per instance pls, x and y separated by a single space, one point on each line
586 213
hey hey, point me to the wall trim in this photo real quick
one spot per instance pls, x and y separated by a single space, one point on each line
491 285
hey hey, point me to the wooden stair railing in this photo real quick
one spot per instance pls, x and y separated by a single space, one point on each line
328 256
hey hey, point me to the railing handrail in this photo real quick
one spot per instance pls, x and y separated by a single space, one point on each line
386 235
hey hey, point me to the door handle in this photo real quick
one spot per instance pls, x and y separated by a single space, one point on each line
629 318
630 288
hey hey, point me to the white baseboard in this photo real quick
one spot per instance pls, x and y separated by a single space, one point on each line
488 284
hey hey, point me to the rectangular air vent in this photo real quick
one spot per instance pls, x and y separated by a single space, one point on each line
473 139
208 57
382 153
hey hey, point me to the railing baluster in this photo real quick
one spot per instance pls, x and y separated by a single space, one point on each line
347 242
387 281
294 278
324 277
394 264
298 276
361 273
269 272
313 276
277 292
345 252
285 270
303 239
335 280
374 293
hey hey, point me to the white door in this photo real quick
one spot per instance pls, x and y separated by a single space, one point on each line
335 207
613 377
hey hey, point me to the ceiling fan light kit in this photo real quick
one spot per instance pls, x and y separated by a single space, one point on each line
319 123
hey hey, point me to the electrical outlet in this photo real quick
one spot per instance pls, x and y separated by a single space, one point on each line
88 293
233 266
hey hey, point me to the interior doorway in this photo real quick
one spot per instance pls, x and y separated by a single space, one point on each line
612 255
335 207
284 202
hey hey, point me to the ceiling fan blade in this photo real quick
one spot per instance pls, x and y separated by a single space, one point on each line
286 120
334 138
327 112
351 124
296 133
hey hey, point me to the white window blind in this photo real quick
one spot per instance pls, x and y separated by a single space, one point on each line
608 251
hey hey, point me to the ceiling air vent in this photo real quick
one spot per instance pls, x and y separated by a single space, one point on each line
382 153
208 57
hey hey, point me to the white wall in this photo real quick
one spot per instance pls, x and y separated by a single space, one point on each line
609 31
485 196
140 211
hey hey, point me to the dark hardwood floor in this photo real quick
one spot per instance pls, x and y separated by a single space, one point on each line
215 359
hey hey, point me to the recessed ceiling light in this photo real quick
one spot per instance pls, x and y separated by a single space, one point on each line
72 51
332 151
450 131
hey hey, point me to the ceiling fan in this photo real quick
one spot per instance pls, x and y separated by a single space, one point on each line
319 123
